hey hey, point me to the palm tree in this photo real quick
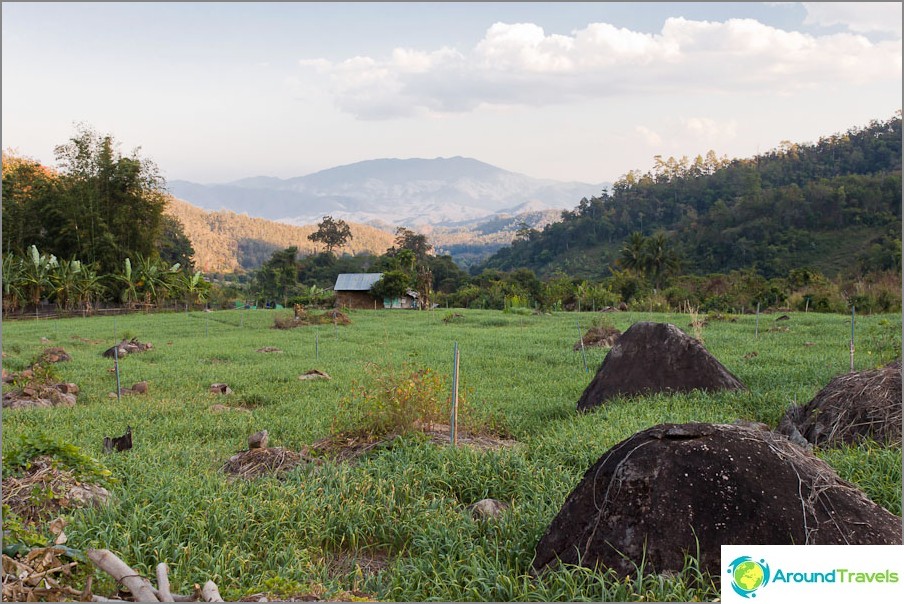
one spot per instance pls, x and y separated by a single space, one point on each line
660 259
633 253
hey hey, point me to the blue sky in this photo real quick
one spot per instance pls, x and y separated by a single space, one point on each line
214 92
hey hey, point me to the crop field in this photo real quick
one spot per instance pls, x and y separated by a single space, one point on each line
394 524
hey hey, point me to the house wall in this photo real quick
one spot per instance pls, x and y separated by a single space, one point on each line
360 300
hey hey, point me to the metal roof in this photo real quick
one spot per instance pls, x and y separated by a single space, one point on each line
356 282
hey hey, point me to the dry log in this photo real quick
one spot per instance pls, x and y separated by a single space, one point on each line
119 570
163 585
211 593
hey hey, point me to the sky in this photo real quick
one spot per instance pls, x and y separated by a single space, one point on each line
215 92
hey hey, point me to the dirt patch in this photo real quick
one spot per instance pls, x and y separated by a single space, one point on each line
44 491
314 374
599 337
656 357
274 461
678 489
269 349
369 561
852 408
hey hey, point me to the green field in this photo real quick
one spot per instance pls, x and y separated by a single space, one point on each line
395 525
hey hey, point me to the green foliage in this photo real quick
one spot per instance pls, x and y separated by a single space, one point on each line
393 284
27 447
834 205
394 401
333 234
406 504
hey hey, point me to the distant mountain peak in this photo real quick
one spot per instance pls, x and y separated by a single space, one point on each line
402 192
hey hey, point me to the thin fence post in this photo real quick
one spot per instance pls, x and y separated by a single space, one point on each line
757 329
583 352
852 338
116 362
453 421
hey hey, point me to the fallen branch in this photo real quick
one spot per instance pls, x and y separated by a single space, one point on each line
119 570
163 585
211 593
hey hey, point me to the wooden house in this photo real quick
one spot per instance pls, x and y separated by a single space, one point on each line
353 291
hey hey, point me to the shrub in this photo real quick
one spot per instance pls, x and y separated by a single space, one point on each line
394 401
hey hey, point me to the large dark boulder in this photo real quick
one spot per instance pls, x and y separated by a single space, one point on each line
857 406
656 357
671 489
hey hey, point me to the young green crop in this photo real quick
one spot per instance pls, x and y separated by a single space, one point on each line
395 524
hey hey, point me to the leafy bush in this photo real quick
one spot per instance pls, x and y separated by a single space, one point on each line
28 447
394 401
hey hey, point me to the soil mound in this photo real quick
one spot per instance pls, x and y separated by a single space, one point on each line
54 355
265 461
44 395
678 489
656 357
851 408
59 491
600 337
127 347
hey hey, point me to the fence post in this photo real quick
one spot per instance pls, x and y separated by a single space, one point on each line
583 352
852 338
453 422
756 333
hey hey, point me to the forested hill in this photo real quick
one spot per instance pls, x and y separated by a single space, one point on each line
832 206
225 241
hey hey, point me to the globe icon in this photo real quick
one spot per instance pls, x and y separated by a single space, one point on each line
748 575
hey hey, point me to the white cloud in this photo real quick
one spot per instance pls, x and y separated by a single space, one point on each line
652 138
862 17
521 64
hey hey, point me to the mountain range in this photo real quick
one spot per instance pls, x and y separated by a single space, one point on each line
415 193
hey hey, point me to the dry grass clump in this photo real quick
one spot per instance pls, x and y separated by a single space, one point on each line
304 318
274 461
602 334
45 489
852 408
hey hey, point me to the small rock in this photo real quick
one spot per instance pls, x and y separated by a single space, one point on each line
258 440
89 494
62 399
67 388
488 508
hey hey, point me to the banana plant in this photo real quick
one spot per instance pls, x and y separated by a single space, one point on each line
130 282
36 271
12 282
64 282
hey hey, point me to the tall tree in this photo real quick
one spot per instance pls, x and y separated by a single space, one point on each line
110 206
333 234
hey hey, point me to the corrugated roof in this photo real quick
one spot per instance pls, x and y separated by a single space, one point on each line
356 282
